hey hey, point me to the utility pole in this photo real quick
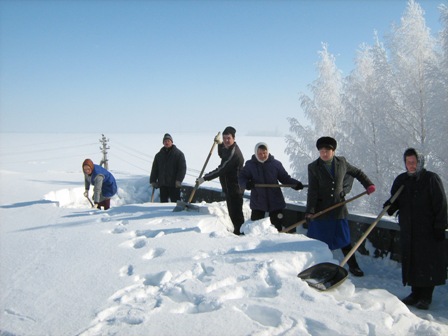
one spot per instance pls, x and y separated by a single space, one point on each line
104 162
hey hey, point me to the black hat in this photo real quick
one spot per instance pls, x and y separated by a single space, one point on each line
167 136
326 142
229 130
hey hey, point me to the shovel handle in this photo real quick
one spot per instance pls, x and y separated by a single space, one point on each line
152 194
337 205
196 186
261 185
370 228
90 201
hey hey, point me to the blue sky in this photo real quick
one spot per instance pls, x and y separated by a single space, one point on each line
175 66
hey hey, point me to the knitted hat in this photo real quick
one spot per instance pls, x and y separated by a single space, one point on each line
326 142
167 136
229 130
88 162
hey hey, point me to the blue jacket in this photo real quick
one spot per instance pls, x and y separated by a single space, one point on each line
269 172
109 185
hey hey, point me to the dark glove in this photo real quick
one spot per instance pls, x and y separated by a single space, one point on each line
299 186
393 207
439 234
342 194
250 184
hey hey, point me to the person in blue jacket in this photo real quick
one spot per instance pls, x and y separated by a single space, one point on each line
104 184
263 168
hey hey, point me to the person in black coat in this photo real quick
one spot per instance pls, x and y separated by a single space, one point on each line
232 161
327 186
422 215
263 168
168 170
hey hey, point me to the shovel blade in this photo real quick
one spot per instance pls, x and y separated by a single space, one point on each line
181 206
324 276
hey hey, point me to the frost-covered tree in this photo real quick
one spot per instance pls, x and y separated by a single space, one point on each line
323 110
439 102
396 97
420 91
413 59
366 101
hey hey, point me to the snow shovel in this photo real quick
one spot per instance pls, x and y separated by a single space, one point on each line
152 194
182 205
327 275
337 205
90 201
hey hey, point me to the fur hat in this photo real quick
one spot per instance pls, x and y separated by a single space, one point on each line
167 136
326 142
229 130
88 162
263 145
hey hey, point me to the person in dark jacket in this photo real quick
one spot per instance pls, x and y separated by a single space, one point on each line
422 215
326 183
263 168
232 161
168 170
104 184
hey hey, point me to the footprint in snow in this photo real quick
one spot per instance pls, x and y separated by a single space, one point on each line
139 243
127 270
154 253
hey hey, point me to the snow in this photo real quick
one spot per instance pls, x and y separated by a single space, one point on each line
141 269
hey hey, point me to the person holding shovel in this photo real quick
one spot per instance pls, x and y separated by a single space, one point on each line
423 220
168 170
326 182
264 169
232 161
104 184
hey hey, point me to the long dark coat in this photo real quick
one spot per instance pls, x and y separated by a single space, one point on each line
422 208
269 172
325 189
169 166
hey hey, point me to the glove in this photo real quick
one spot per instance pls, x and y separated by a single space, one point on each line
299 186
218 139
387 203
308 218
250 184
342 194
439 234
155 185
199 181
370 189
178 184
86 193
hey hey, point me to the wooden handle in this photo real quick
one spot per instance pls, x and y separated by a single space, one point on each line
196 186
337 205
370 228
